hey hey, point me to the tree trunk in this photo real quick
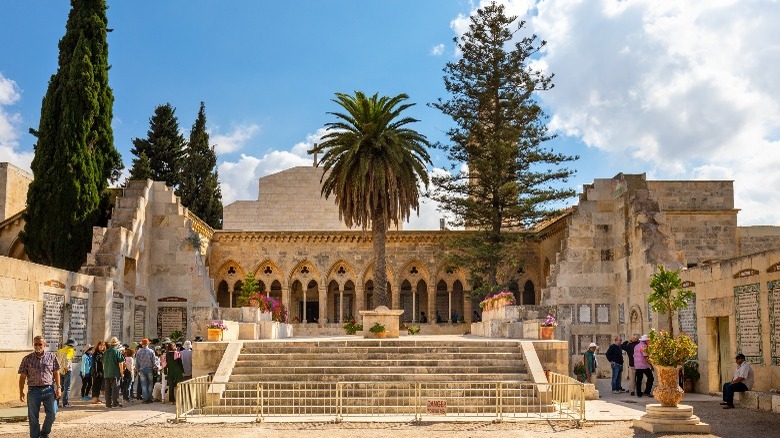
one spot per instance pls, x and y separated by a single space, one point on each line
671 323
378 237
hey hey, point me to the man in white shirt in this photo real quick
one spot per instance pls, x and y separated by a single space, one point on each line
742 381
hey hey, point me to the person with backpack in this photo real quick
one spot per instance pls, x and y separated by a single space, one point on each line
65 357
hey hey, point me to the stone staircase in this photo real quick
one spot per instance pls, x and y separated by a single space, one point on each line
383 376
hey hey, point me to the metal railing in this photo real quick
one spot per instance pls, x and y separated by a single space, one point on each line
562 398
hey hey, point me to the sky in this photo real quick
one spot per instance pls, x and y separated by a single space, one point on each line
675 89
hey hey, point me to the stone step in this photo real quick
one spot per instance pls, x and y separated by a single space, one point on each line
242 363
360 342
323 370
380 356
331 410
360 400
427 351
386 377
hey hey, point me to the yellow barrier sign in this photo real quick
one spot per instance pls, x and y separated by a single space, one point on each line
437 407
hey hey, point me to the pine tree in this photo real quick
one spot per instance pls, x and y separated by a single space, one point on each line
164 146
199 188
74 155
499 133
141 169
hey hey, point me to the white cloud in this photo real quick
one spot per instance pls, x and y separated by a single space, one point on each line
437 50
688 88
234 140
9 126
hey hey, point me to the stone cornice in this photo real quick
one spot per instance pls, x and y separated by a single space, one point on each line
702 212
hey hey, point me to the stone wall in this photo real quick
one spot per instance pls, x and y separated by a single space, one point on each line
700 216
757 239
742 294
13 190
40 300
289 200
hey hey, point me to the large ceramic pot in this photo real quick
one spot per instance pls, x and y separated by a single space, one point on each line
546 333
215 334
668 392
380 335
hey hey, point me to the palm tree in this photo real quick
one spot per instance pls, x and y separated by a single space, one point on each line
375 163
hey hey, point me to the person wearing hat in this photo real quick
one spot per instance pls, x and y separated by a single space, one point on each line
65 358
86 376
591 363
113 368
742 381
145 365
642 367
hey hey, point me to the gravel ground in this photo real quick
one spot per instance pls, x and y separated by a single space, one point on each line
732 423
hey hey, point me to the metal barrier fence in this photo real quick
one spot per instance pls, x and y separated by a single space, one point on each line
562 398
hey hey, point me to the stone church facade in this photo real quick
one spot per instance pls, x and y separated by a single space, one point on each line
158 268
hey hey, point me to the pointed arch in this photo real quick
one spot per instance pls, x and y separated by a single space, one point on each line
304 272
413 271
341 272
267 271
230 272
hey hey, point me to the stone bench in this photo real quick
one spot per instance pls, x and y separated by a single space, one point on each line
761 400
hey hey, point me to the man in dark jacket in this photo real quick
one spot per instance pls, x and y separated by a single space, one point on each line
615 358
628 347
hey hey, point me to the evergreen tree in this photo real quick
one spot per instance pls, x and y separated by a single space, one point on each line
141 169
164 146
499 133
74 155
199 188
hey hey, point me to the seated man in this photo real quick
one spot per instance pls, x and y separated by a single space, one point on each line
742 381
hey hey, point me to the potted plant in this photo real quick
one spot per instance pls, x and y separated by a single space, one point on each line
215 329
547 328
579 371
378 330
668 354
351 327
690 375
501 299
413 330
249 291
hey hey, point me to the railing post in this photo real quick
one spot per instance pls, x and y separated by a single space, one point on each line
260 400
417 402
339 401
499 401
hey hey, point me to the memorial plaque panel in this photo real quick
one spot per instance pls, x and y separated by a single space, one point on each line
748 322
139 322
77 330
603 342
117 323
52 320
566 312
169 319
584 314
16 324
602 313
774 319
687 320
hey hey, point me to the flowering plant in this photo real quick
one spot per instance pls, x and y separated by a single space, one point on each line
505 298
217 325
550 322
665 350
352 327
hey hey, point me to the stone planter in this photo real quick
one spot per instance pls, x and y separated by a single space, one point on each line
668 392
546 333
214 334
380 335
391 319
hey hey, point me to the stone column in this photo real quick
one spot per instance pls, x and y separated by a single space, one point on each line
341 304
431 303
360 296
323 292
230 296
449 305
303 289
395 297
467 309
286 297
414 305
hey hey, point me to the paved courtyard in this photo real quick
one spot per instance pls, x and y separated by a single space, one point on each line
610 416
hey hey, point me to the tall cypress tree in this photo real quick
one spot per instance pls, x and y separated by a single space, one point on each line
199 188
500 131
163 146
74 155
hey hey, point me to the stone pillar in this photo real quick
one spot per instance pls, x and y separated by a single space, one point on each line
467 309
414 305
230 296
360 296
323 292
395 297
341 304
286 297
449 306
431 303
303 289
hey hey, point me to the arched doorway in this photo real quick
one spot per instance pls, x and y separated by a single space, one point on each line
529 293
223 295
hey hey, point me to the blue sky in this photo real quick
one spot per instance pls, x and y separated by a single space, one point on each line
677 91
